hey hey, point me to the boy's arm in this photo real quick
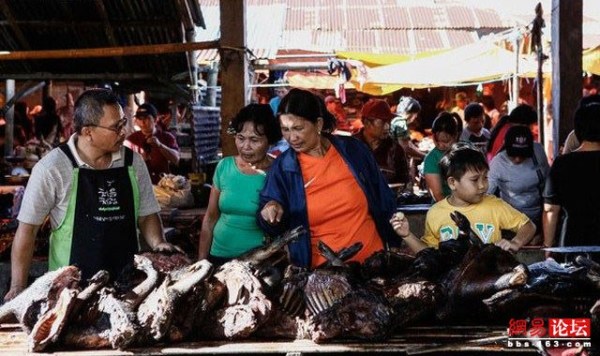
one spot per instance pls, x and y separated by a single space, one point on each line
402 229
523 236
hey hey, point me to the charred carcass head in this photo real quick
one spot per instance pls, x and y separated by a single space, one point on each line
42 295
246 305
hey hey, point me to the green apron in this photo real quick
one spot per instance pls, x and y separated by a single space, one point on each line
99 228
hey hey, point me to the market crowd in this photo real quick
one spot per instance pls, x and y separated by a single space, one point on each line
340 180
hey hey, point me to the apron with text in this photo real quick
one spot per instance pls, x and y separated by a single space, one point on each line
99 228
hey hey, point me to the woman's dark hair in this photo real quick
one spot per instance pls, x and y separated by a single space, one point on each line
461 158
262 117
459 121
307 105
523 114
445 122
587 119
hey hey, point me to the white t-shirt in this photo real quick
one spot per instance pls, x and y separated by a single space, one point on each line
49 187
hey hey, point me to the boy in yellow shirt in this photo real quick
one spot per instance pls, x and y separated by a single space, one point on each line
465 170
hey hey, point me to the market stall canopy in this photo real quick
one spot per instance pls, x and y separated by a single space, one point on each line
591 60
467 65
90 41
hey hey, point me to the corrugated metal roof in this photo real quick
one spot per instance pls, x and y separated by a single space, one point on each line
30 25
377 26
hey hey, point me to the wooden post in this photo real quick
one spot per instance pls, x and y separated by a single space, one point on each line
567 84
234 66
536 45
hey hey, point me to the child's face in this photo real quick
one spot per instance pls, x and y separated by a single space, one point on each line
475 124
470 188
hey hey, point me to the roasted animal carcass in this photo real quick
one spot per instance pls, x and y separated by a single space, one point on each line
41 296
483 271
49 327
341 305
246 305
552 289
108 318
156 312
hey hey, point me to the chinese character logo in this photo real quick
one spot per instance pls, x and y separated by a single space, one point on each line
108 195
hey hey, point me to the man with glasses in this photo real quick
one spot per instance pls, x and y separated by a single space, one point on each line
158 148
96 192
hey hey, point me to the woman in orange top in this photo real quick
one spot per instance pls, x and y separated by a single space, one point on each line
329 184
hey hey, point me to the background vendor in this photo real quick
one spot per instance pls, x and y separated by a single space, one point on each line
158 148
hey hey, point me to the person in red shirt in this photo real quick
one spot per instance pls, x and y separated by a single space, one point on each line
158 148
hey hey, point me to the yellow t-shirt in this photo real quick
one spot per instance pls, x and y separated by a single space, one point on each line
487 218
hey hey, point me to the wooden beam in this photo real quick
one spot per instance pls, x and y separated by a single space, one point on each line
108 30
234 67
108 51
77 76
567 82
13 25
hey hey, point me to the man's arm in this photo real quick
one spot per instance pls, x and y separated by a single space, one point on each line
20 258
152 230
171 154
550 222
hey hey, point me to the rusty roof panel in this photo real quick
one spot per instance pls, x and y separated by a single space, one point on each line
489 18
364 18
396 17
457 38
461 17
395 42
330 18
428 40
423 17
362 41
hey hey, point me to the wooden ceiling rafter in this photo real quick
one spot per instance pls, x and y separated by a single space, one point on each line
14 25
108 31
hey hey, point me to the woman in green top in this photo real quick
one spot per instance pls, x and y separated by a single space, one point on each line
229 227
445 133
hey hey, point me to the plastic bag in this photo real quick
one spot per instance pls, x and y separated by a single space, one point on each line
174 192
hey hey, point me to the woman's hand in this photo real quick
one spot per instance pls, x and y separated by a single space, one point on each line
400 224
13 292
167 247
272 212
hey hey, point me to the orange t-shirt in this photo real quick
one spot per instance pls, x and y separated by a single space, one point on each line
338 212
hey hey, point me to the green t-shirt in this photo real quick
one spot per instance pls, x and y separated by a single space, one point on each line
236 231
431 166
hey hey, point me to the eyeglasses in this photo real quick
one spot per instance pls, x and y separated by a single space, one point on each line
115 128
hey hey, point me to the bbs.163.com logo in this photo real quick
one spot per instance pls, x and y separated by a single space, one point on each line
553 333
